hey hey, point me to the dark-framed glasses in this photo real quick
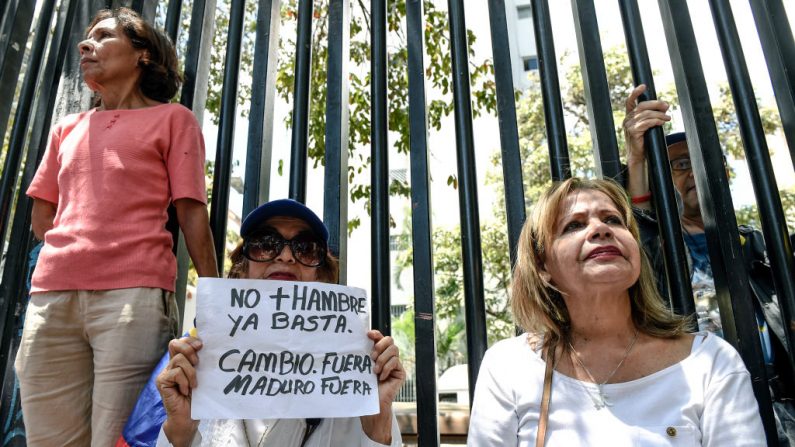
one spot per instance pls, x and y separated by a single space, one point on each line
681 164
306 248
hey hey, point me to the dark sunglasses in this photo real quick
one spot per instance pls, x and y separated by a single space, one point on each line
306 248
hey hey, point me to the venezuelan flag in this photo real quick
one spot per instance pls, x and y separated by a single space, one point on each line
148 415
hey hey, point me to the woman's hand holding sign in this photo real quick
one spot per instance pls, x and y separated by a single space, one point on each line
179 378
387 367
175 384
390 375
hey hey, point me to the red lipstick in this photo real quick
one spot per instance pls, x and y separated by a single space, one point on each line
607 250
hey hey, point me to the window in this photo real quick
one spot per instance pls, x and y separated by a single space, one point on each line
530 63
524 12
398 242
396 310
398 174
448 397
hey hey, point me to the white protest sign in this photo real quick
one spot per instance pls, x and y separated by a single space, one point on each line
282 349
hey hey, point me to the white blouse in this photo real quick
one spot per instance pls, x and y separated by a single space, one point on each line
331 432
704 400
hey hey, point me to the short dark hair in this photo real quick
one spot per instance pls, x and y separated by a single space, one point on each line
160 78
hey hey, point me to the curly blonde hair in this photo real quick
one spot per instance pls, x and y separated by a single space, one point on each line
539 308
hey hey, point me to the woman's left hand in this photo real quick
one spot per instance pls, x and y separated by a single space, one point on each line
387 366
390 373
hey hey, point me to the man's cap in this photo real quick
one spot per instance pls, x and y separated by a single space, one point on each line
284 208
674 138
678 137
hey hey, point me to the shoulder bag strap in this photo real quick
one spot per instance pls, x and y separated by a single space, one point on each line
545 397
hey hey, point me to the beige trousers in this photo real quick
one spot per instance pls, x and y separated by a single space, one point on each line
84 358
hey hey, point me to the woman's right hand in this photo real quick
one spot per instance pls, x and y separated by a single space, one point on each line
175 384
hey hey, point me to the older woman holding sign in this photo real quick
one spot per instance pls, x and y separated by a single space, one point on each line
604 362
282 240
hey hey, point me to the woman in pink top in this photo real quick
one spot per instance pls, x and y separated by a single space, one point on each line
102 307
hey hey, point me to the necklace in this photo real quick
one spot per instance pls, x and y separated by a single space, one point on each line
600 400
248 440
311 425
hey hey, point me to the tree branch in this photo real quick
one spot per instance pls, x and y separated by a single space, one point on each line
366 15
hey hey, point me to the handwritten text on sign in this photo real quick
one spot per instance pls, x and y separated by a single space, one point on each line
282 349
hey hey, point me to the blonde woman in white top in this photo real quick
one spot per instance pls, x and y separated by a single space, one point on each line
624 370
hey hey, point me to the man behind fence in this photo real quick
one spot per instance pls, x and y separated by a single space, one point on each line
640 117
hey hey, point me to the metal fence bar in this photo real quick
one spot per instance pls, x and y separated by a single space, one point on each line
379 165
778 45
12 288
12 50
4 9
475 307
7 21
559 165
260 120
173 14
509 133
193 96
771 214
222 173
74 96
138 6
675 257
731 280
600 111
8 11
16 143
303 71
422 236
149 11
194 92
335 199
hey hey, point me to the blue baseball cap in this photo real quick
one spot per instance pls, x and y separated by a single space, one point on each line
285 208
674 138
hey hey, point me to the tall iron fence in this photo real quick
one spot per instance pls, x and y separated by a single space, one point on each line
40 78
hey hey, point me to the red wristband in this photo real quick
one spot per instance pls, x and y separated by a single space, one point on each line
642 198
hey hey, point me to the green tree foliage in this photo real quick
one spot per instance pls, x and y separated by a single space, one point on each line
449 277
749 214
438 73
729 128
532 130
